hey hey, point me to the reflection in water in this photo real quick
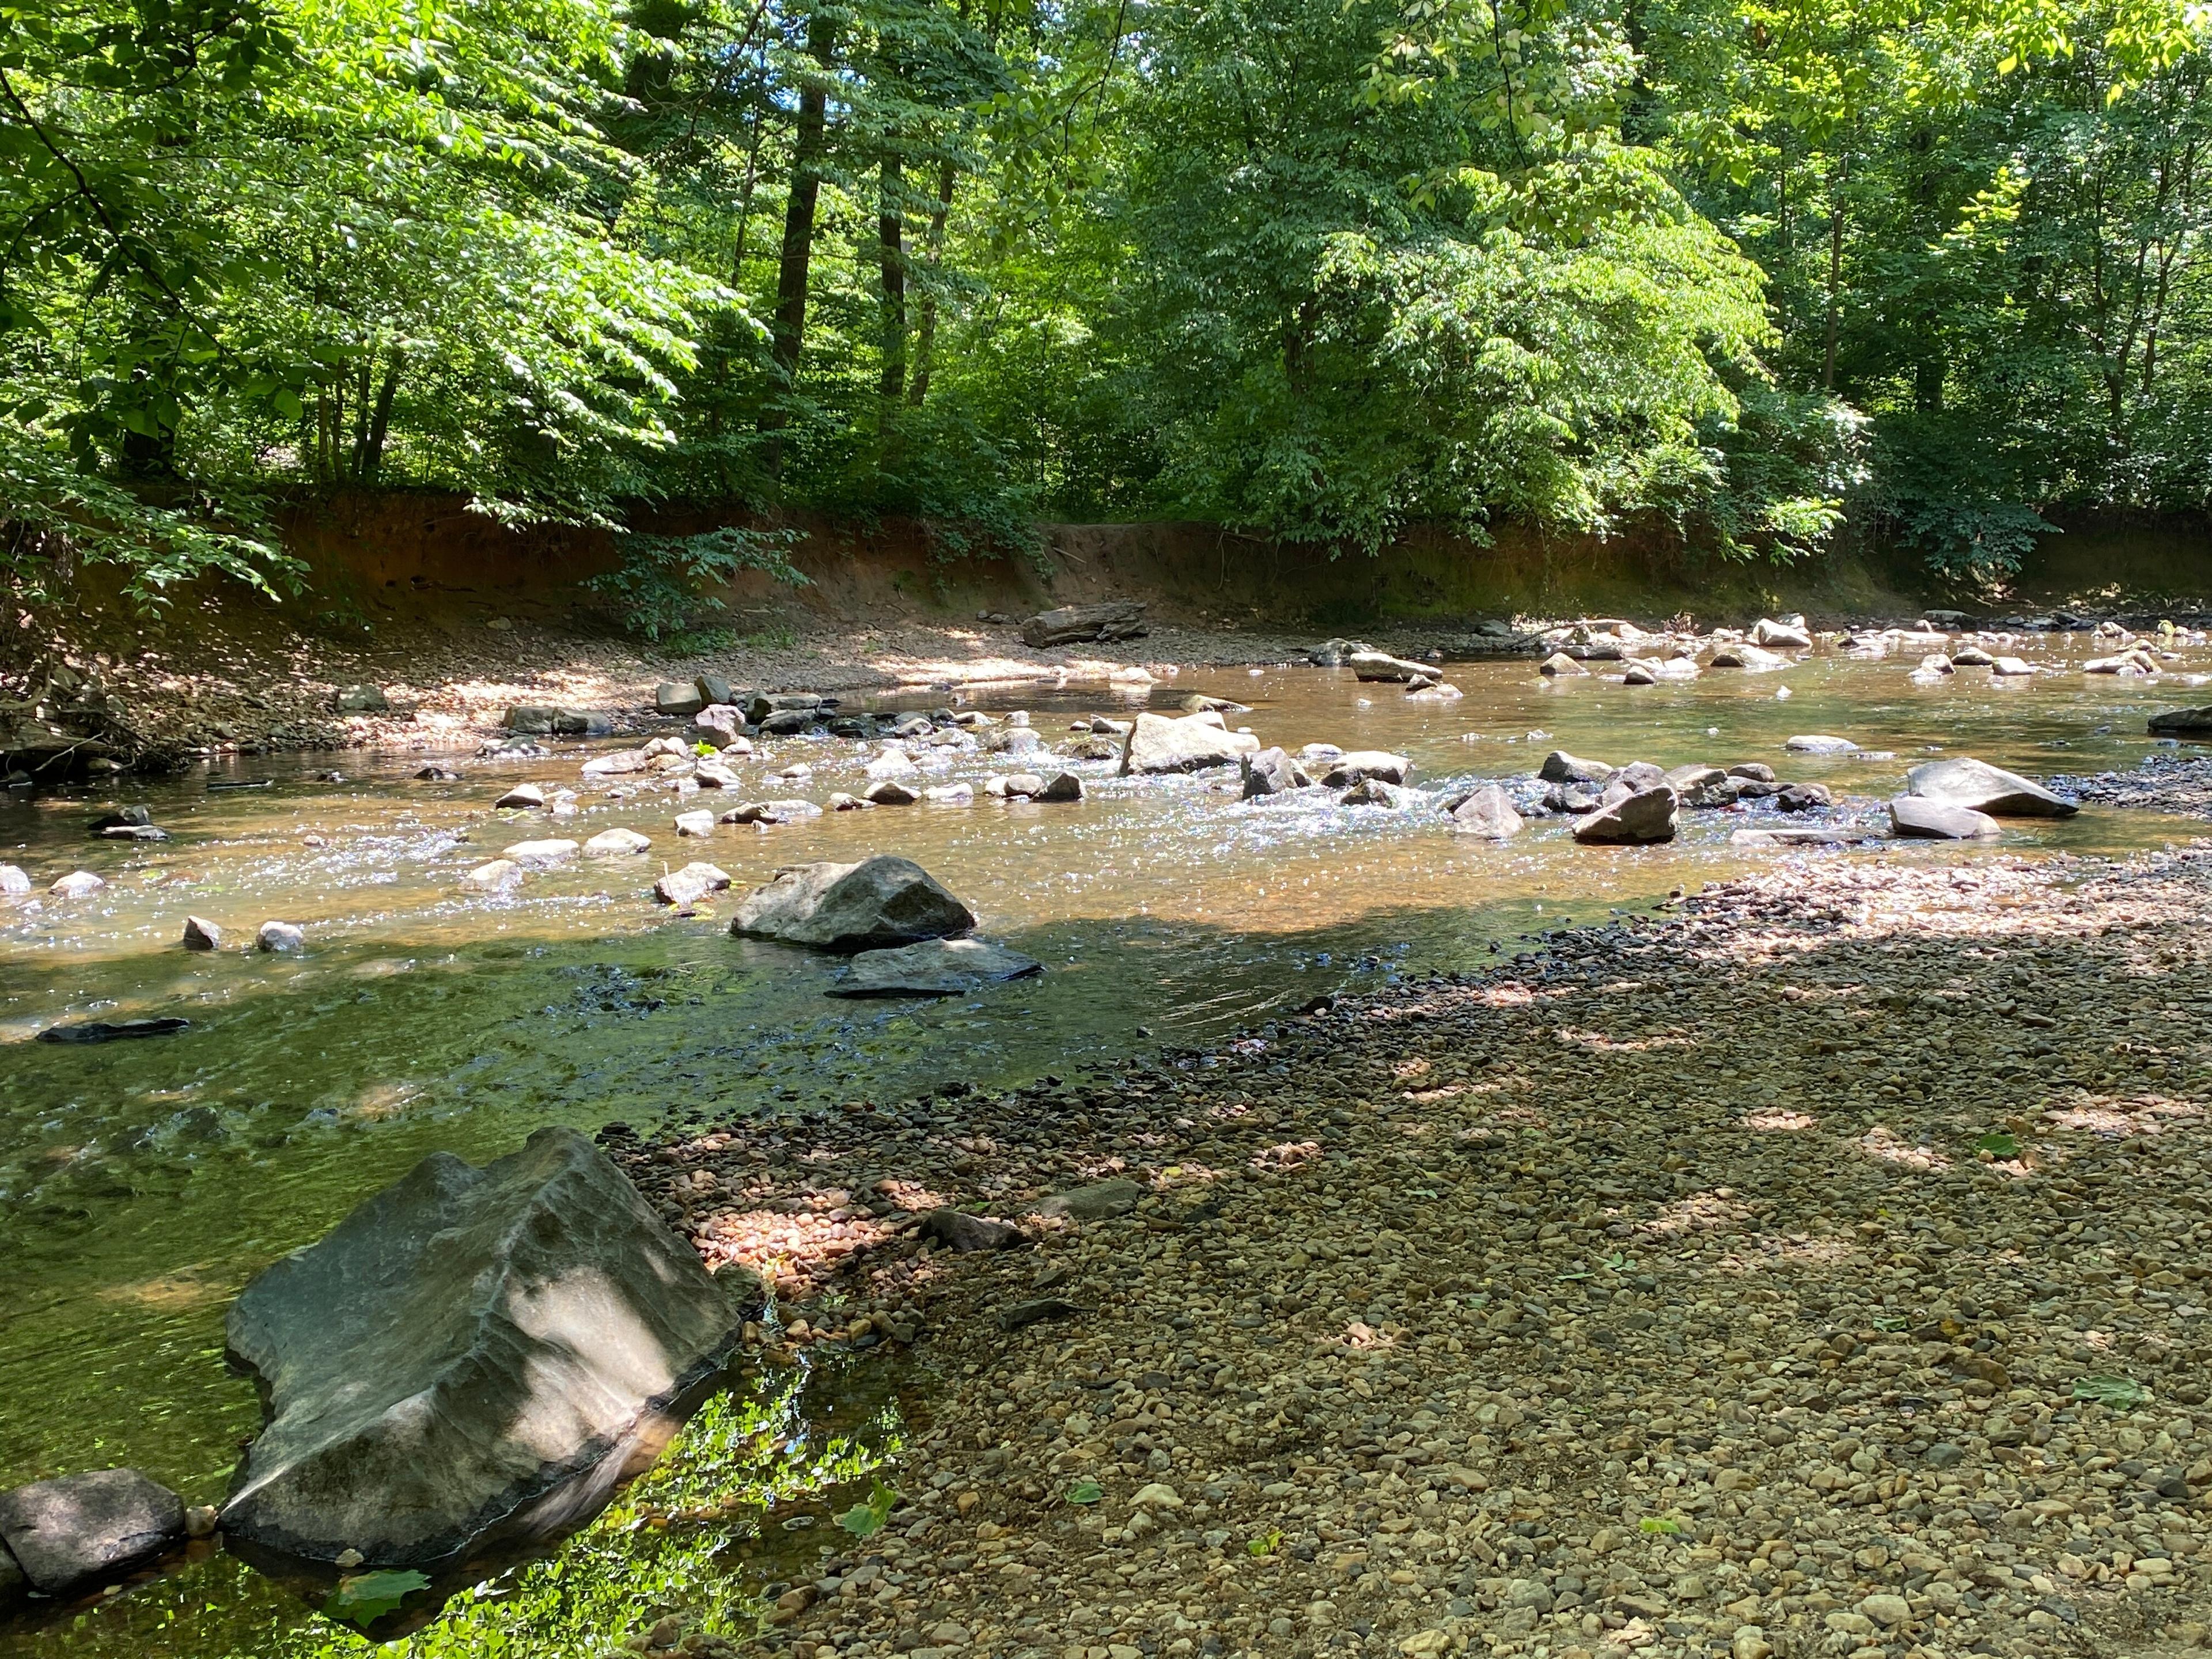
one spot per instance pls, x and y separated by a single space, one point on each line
143 1182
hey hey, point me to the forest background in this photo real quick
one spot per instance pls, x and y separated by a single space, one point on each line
1760 273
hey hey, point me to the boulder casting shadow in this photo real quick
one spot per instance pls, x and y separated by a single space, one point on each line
470 1363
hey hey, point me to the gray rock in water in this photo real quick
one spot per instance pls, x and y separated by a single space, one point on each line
1788 634
1158 743
890 792
616 844
71 1533
1381 667
13 883
201 935
526 797
790 811
1561 767
1100 1202
1270 772
2180 722
1488 813
698 824
1015 740
1362 764
1199 703
281 936
966 1234
1647 816
689 885
721 725
435 773
874 905
1984 788
1334 654
761 705
1757 658
1560 665
1368 792
474 1356
1803 798
1928 820
78 884
1062 787
542 854
361 699
1816 745
933 968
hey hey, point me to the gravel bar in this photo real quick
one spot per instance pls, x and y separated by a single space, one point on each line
1817 1269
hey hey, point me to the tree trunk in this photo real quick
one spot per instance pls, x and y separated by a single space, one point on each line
1835 269
380 422
925 341
890 237
788 335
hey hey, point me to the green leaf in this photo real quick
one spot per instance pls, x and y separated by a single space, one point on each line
1085 1491
1265 1545
2122 1394
1999 1143
366 1597
866 1520
1660 1525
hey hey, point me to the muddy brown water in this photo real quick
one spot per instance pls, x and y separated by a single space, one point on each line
142 1182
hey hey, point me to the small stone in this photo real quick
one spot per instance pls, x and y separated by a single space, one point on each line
698 824
528 797
1886 1610
1156 1496
201 935
200 1519
890 792
1061 786
347 1559
495 877
281 937
1821 745
1560 665
78 884
13 883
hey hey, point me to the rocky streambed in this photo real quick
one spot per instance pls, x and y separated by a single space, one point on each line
1819 1271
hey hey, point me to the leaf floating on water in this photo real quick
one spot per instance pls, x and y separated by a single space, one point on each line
2122 1394
866 1520
364 1597
1999 1144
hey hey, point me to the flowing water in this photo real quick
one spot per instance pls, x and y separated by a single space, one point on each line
143 1183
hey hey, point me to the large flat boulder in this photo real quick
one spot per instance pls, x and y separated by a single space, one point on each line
875 905
1159 742
1116 619
1981 787
79 1530
1911 816
547 719
473 1357
1379 667
934 968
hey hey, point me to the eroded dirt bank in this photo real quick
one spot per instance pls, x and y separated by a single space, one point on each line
1819 1271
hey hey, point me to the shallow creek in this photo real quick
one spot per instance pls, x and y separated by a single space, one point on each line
142 1182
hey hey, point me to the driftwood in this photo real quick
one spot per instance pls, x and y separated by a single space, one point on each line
1118 619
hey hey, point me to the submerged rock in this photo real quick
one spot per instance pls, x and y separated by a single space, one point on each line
70 1534
474 1355
201 935
495 877
13 883
1821 745
78 884
542 854
101 1030
877 904
1982 788
933 968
